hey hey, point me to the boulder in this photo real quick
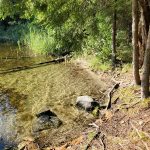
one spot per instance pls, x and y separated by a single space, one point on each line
87 103
46 120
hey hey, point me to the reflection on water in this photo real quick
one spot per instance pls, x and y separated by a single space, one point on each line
11 56
8 130
11 102
11 107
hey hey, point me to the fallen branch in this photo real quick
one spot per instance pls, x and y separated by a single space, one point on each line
122 146
132 105
102 142
94 125
16 69
15 58
110 94
97 134
137 131
94 137
138 148
116 100
145 124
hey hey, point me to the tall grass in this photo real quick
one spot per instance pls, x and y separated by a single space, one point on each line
37 40
40 41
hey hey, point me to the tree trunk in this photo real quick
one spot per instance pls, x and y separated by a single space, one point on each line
143 28
114 30
135 20
146 70
142 38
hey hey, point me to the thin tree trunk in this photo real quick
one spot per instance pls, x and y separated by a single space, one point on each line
114 30
135 20
146 70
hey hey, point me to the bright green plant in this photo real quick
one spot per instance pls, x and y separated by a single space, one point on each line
40 41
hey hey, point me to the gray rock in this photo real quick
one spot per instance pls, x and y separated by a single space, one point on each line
87 103
46 120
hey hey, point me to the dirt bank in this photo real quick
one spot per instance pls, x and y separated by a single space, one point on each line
125 126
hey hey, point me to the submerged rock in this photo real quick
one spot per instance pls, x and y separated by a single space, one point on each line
87 103
46 120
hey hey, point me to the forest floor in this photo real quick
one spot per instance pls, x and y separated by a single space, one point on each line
125 126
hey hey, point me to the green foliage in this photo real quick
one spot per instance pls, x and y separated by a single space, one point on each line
126 68
14 32
60 26
146 103
101 43
96 64
95 112
5 8
40 41
125 53
124 50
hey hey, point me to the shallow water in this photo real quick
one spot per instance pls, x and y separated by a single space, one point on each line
7 120
25 93
11 56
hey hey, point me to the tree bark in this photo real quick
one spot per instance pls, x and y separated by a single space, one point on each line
114 31
135 20
146 70
143 28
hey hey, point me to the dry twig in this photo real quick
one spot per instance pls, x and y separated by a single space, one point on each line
138 133
94 137
110 94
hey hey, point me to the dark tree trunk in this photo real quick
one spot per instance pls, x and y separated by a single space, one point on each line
135 20
143 27
114 31
146 70
129 33
144 45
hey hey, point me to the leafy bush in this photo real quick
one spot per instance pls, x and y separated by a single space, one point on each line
100 44
13 32
124 49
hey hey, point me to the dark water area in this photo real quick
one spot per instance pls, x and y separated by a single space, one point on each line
8 112
12 57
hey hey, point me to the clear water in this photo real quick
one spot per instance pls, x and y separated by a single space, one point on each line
25 93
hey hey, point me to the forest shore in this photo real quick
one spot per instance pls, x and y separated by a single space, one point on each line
124 125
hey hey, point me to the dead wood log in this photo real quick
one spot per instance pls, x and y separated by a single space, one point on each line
14 58
16 69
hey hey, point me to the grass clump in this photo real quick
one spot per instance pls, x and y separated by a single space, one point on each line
95 112
126 68
128 94
96 64
146 103
40 41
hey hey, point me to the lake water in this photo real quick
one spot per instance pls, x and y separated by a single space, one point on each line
25 93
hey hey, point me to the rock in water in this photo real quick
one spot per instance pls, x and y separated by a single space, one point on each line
46 120
87 103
